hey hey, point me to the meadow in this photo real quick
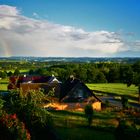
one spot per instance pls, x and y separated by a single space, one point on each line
116 90
72 125
3 84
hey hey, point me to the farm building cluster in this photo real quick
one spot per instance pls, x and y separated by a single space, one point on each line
73 94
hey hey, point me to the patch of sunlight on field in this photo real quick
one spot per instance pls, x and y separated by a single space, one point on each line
3 87
21 71
4 81
4 84
115 88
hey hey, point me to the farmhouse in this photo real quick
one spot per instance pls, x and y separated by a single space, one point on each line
75 95
26 83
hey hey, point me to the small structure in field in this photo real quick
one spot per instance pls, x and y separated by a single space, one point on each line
26 83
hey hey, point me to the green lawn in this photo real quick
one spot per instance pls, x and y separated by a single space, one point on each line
3 84
3 87
21 71
115 88
72 125
83 134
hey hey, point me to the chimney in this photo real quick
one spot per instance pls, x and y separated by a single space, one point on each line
71 78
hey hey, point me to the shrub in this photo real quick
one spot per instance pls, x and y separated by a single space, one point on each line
126 131
89 113
29 110
12 128
124 102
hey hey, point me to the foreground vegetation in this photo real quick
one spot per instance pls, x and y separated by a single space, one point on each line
27 110
73 125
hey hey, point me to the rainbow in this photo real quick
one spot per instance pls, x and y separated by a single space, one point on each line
5 48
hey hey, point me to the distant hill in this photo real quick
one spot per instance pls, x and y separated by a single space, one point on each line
72 59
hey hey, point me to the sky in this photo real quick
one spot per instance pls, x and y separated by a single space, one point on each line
70 28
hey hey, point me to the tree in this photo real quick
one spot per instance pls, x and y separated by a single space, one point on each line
124 101
100 78
3 74
89 113
16 72
132 76
126 75
136 82
114 75
31 72
91 74
9 73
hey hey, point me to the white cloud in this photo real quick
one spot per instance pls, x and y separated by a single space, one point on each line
35 15
20 35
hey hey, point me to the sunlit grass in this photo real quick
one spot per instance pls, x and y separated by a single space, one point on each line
21 70
3 87
115 88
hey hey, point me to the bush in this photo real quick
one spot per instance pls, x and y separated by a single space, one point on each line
89 113
124 101
125 131
11 128
28 109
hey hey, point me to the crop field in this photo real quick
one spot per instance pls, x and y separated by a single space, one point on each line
115 89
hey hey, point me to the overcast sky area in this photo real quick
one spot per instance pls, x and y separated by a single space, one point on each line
70 28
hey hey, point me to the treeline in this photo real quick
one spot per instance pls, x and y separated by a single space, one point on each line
92 72
87 72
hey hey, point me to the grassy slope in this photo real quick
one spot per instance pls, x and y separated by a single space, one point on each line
116 88
83 134
72 125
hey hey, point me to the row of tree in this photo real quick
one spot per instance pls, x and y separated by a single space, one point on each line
93 73
4 74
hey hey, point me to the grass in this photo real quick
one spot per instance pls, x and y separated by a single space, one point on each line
83 134
4 84
4 81
116 88
3 87
77 119
72 125
21 70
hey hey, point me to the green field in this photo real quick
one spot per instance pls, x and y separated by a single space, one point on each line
83 134
115 89
3 84
3 87
72 125
21 71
